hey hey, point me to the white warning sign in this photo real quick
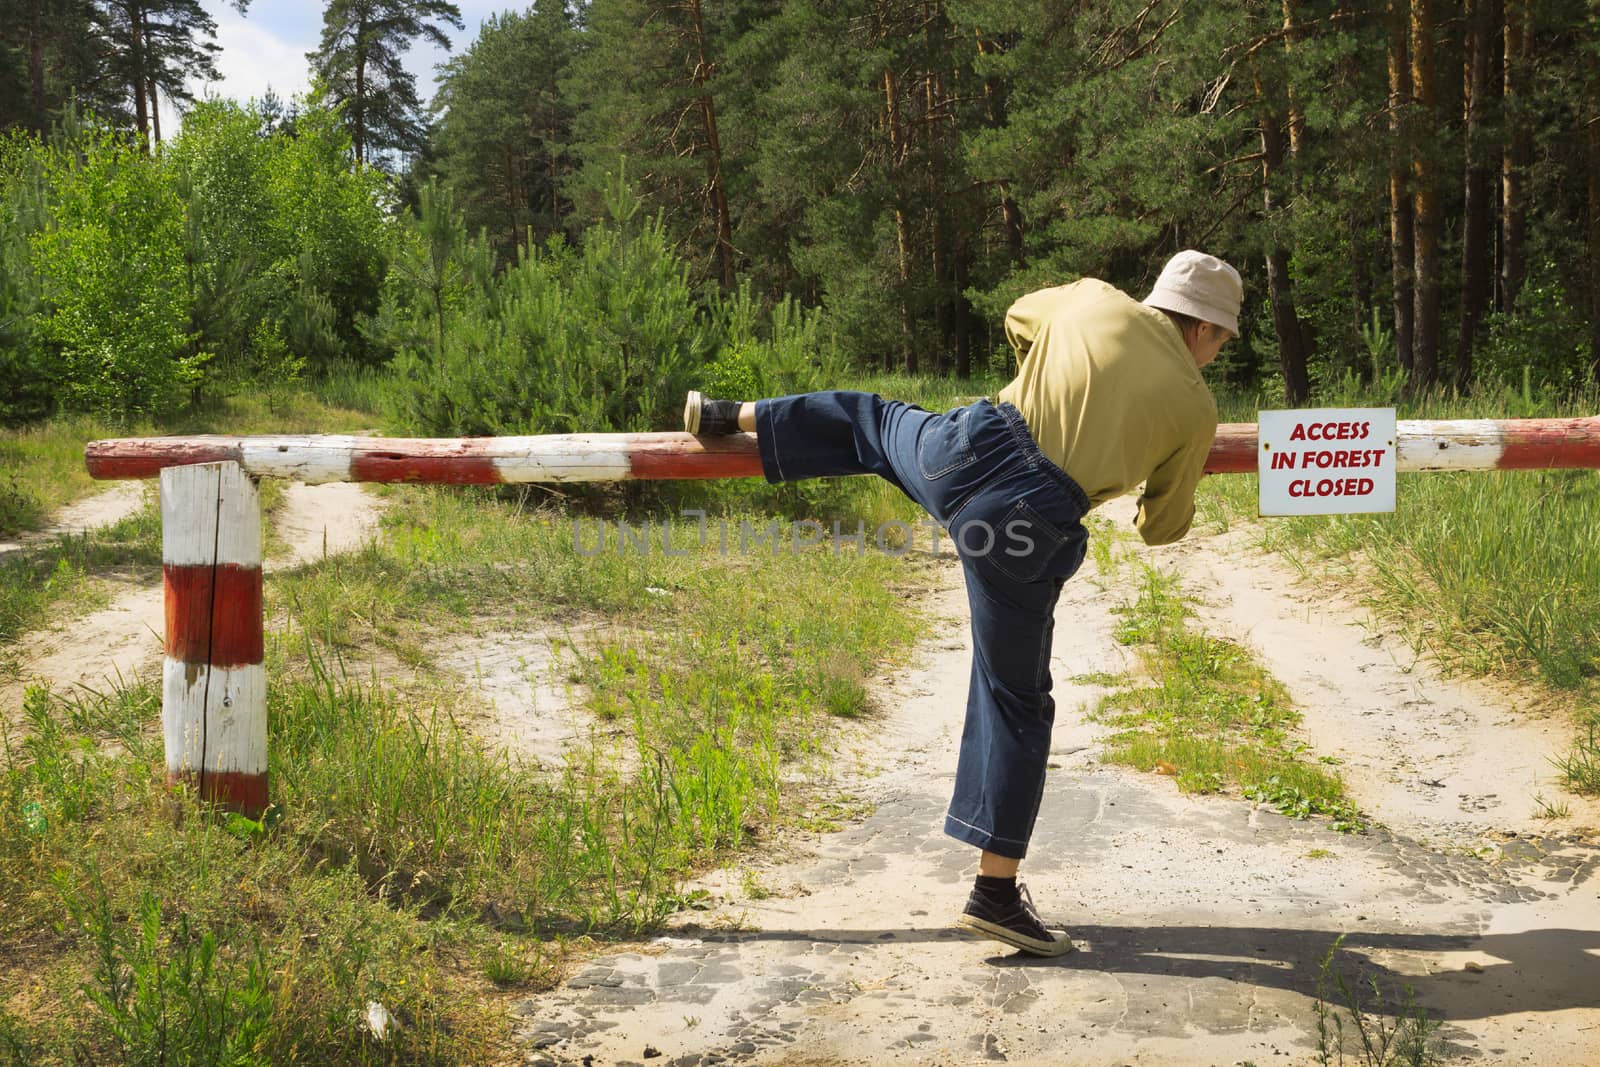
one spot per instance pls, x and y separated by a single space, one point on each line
1326 461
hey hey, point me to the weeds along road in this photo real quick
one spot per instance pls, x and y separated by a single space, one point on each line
1204 922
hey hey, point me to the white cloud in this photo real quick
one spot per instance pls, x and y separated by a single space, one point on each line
255 58
252 60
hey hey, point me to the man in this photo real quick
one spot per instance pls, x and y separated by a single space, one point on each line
1108 395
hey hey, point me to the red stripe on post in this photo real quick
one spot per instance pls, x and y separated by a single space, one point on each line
735 456
442 464
231 790
1539 444
214 614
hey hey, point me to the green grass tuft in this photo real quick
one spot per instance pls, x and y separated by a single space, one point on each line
405 863
1209 716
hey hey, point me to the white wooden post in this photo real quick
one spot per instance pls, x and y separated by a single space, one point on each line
214 692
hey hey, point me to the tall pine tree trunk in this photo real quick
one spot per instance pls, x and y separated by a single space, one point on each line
516 202
714 184
1360 224
36 71
1476 217
1425 196
994 114
948 208
359 102
150 78
1594 241
966 321
1285 320
1297 118
1401 224
1592 126
1514 161
936 209
891 95
136 57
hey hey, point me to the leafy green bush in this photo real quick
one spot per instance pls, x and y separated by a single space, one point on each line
25 364
111 271
603 338
1543 344
794 354
284 238
330 226
220 165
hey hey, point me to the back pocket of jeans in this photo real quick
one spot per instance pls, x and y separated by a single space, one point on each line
1027 544
944 446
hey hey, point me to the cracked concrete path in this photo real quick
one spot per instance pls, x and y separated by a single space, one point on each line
1201 921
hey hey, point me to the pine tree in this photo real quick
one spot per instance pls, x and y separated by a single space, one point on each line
1590 115
651 78
1481 17
1402 229
1425 199
359 60
158 46
504 126
50 51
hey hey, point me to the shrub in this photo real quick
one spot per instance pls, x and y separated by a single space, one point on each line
603 338
25 363
111 274
1542 344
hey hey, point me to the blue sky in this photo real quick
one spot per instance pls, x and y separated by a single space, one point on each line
267 47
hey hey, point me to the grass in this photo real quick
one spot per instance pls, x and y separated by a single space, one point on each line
139 931
410 879
1488 572
43 470
408 873
1206 714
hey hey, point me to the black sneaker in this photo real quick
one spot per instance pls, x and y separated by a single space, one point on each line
1016 924
710 418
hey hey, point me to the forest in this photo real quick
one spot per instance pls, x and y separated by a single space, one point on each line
631 196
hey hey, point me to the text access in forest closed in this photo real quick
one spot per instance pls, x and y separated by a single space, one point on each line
1326 461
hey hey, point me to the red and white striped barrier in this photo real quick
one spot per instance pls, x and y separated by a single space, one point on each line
214 697
1464 444
594 457
214 689
1450 445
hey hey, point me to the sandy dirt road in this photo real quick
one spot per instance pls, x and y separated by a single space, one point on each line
1201 921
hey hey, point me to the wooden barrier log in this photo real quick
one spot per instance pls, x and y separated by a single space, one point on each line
455 461
1451 445
1466 444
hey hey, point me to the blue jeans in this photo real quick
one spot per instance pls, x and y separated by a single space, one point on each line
1016 521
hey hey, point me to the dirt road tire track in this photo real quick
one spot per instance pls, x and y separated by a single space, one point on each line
123 641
